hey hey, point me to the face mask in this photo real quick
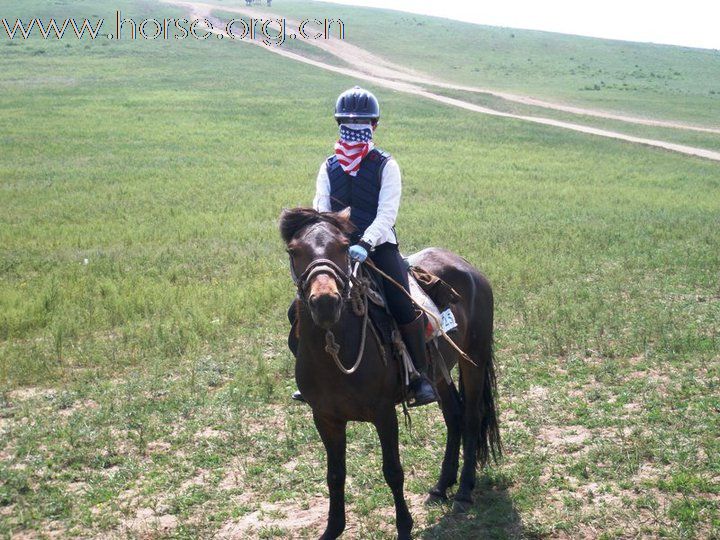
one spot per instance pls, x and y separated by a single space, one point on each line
356 132
354 144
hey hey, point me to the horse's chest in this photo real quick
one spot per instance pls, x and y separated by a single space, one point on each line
350 397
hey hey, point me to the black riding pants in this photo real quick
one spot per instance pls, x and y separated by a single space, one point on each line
387 258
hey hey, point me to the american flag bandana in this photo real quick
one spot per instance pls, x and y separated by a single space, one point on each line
354 144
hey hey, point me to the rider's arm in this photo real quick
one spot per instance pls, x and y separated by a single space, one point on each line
388 205
321 202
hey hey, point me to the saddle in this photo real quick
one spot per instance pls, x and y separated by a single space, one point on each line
427 290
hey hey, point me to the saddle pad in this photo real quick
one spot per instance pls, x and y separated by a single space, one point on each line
437 289
432 330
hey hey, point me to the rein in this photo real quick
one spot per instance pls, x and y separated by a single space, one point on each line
332 348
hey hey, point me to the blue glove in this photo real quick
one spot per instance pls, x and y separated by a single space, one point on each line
358 253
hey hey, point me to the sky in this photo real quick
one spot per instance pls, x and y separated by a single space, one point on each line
692 23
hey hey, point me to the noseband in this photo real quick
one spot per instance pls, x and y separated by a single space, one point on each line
322 266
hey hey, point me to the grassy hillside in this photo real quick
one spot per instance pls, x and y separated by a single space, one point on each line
144 376
544 82
661 81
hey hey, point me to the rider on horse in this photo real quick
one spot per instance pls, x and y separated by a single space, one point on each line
367 179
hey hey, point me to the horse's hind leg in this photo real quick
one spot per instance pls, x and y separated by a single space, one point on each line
472 386
387 428
332 433
480 434
452 413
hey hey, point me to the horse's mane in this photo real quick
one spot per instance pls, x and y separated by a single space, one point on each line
292 220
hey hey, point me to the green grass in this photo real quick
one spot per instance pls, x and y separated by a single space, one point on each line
154 380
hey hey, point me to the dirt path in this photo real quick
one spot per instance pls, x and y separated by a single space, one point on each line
379 71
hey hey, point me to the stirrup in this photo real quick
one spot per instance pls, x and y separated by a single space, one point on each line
424 398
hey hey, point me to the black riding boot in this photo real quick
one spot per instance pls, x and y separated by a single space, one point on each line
413 334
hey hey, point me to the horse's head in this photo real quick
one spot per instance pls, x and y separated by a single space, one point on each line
317 243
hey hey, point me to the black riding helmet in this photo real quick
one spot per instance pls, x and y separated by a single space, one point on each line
357 103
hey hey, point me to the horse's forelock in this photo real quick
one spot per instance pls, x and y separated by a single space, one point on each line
293 220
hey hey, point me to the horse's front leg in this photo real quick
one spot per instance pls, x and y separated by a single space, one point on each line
387 428
332 433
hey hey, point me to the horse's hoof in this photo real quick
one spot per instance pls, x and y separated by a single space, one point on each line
435 498
460 507
332 533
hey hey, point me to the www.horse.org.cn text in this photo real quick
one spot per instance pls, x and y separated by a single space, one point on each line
267 31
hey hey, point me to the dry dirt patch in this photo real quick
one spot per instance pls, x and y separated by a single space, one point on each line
81 405
295 519
147 524
210 433
567 439
32 392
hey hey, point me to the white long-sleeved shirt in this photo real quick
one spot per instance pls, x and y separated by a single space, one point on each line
381 229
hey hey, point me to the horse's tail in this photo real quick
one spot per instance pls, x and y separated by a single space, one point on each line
489 442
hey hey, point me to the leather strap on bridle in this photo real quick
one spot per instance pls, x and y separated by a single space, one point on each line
321 266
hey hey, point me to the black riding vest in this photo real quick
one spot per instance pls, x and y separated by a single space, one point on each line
360 192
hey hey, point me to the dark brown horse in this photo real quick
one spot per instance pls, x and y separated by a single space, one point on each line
318 246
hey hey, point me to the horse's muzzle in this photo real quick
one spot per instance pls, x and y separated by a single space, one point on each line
325 309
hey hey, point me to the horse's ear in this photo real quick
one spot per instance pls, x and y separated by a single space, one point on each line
344 214
291 219
343 221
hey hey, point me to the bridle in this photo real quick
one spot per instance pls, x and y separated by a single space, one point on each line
354 289
343 278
